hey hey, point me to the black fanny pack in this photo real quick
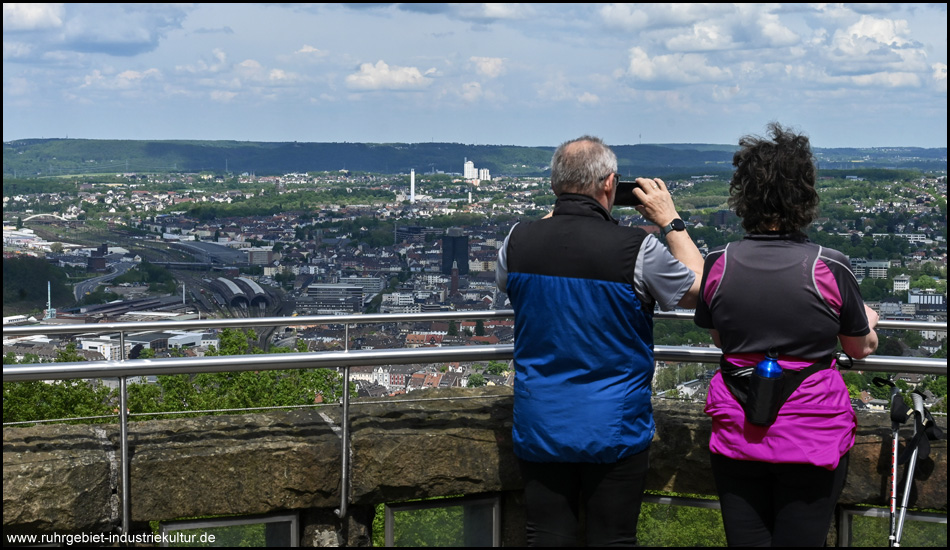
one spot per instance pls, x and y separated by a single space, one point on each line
761 398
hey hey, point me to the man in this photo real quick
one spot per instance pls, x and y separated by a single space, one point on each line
583 289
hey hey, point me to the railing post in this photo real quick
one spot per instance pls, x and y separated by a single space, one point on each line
124 452
345 448
345 442
124 442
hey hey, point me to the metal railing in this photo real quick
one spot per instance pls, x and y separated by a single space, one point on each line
122 369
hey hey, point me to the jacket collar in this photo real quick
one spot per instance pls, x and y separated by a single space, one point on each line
572 204
796 236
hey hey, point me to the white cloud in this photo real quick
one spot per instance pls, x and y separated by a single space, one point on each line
890 80
222 96
19 17
588 98
254 73
21 86
673 68
673 100
125 80
220 63
725 93
486 12
250 65
624 16
220 57
703 37
383 77
502 10
14 50
557 87
492 67
728 27
775 33
870 34
473 12
643 17
282 76
311 51
871 47
129 79
940 76
471 92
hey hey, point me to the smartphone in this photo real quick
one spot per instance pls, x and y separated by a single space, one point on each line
625 195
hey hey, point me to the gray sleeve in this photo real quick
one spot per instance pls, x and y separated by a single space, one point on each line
659 277
501 266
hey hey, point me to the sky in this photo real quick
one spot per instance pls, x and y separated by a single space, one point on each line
848 75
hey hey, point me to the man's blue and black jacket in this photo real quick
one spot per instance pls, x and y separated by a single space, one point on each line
583 339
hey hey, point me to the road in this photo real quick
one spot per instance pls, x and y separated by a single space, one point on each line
89 285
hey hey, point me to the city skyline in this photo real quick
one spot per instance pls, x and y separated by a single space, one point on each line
848 75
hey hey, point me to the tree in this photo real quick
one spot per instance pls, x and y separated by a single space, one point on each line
923 282
245 389
496 368
873 289
479 328
889 346
235 342
69 354
476 381
38 400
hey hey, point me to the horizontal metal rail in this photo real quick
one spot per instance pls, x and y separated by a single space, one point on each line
895 324
373 318
373 357
236 363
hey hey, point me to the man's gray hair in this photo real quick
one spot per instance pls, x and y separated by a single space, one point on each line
581 166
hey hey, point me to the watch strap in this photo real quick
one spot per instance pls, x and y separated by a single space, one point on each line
675 225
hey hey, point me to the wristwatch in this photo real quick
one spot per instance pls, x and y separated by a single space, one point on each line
675 225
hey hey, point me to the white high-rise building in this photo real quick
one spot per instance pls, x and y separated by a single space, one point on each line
412 186
469 171
483 174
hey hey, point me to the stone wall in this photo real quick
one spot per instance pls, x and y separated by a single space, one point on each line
65 479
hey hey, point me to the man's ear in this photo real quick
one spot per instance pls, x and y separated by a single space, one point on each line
610 189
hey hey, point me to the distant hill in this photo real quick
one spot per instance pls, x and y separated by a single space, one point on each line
52 157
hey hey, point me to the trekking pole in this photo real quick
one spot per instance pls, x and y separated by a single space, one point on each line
918 411
895 427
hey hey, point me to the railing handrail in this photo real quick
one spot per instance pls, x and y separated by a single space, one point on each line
893 324
352 319
373 357
350 358
370 318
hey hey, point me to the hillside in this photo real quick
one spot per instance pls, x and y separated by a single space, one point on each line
53 157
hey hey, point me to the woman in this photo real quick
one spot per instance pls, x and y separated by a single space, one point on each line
776 293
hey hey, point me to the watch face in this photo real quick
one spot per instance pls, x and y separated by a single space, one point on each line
678 225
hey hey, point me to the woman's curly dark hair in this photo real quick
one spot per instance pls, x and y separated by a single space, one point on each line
773 187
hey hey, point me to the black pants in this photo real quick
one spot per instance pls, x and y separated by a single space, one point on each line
777 504
608 495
